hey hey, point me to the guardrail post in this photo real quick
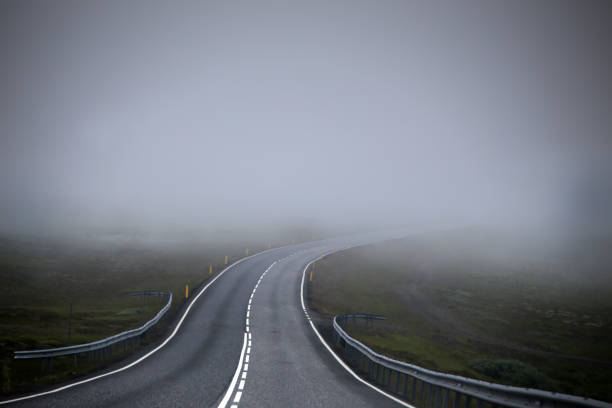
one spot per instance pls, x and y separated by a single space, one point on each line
428 398
437 397
457 400
50 364
405 390
468 401
397 382
420 390
480 405
75 360
445 395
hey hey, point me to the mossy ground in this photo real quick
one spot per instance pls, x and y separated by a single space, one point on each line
39 279
527 319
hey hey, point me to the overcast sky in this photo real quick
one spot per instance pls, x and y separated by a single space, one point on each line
214 113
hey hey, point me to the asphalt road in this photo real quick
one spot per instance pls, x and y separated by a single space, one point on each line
288 365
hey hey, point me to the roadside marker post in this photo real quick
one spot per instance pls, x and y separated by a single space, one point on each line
311 276
210 269
225 259
186 291
246 252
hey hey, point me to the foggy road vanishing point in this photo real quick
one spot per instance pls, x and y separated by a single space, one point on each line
142 136
246 342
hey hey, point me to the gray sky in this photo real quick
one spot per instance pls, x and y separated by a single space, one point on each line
188 114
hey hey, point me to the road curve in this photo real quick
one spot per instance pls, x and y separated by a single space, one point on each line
288 364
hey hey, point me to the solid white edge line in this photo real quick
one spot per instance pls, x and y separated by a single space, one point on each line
338 359
65 387
230 389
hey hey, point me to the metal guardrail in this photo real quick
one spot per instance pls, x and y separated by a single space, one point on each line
101 348
428 388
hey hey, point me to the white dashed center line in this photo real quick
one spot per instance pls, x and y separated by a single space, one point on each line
243 364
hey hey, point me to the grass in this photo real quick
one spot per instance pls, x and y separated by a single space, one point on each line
513 372
465 303
40 278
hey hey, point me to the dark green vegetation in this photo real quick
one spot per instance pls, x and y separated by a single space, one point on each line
473 304
513 372
39 279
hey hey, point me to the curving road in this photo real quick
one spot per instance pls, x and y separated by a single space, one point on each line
213 361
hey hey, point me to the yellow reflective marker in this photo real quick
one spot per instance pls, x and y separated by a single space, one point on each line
247 252
186 291
210 269
311 276
226 259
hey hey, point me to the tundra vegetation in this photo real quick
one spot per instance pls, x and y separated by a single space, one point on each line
42 277
480 304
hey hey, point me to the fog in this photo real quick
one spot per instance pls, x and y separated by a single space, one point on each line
162 116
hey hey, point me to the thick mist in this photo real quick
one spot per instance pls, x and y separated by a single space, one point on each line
205 115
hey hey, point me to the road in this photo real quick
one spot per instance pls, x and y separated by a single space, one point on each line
287 363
